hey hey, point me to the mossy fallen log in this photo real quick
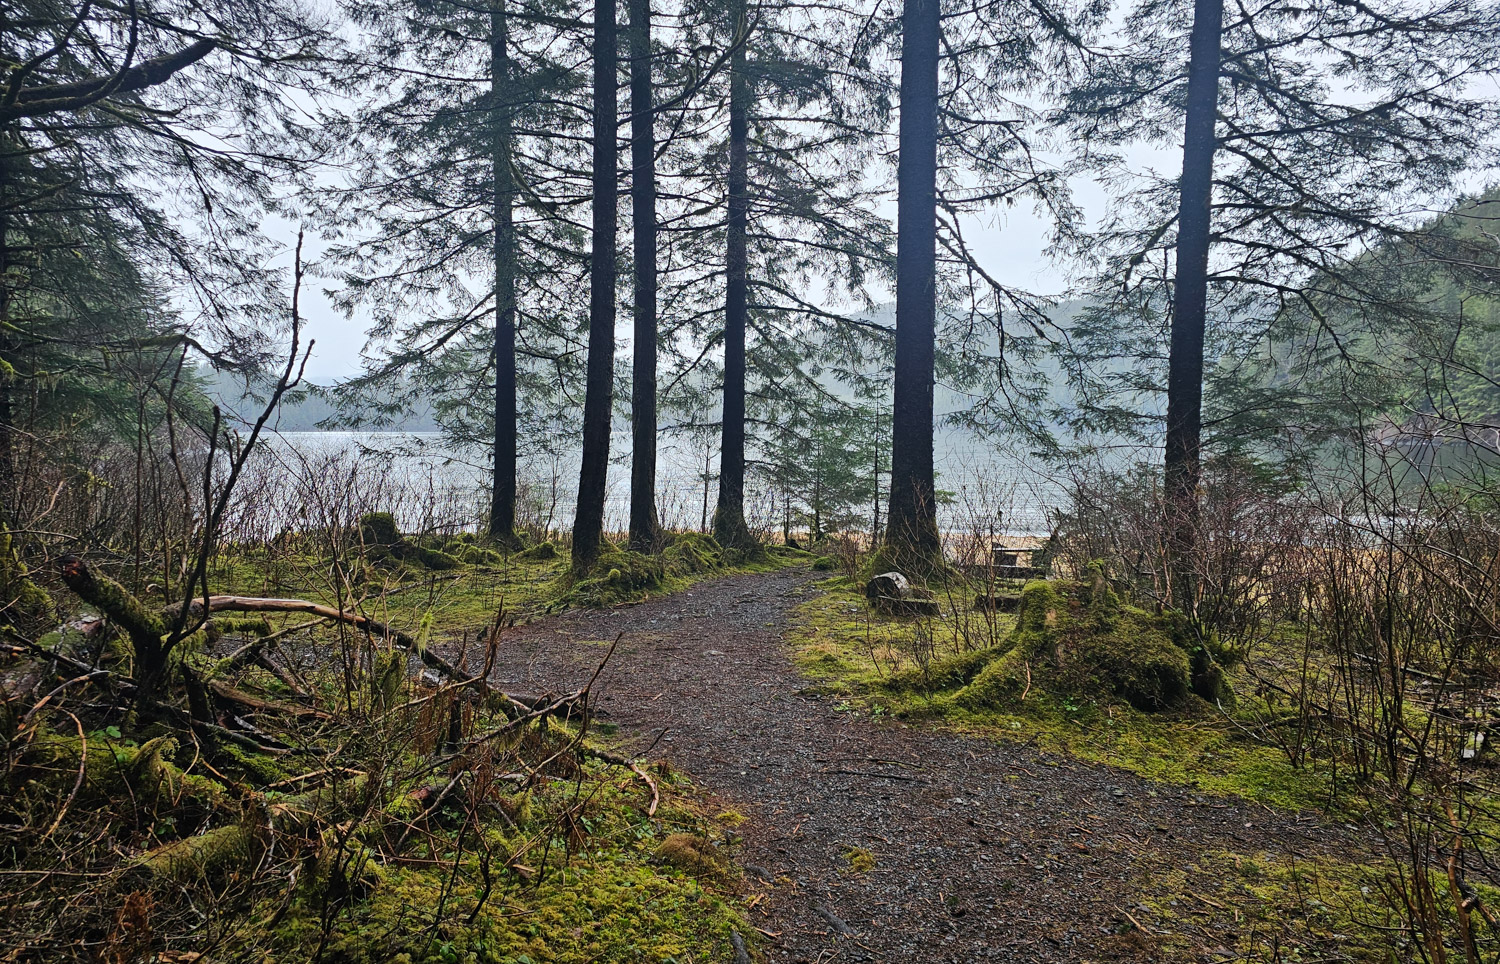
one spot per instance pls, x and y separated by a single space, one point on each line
113 771
239 845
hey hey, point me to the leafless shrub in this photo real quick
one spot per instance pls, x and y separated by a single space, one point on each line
1366 601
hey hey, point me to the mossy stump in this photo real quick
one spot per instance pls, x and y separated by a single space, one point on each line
1072 638
382 540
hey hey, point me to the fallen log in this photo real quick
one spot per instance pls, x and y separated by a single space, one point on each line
256 604
231 847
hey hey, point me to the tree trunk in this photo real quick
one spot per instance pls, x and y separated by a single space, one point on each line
503 500
729 516
588 521
10 149
24 605
1190 302
912 534
645 530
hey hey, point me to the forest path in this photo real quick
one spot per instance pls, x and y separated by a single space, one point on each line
983 851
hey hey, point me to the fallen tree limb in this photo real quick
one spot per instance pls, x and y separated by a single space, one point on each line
835 921
256 604
230 847
128 687
225 691
655 793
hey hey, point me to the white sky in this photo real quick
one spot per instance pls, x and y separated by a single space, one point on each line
1011 242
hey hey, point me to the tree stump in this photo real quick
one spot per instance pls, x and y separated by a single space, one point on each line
892 593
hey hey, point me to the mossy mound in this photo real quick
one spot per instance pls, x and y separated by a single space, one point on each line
618 576
692 854
382 541
1074 638
540 552
692 552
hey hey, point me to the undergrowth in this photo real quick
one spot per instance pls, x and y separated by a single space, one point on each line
311 792
398 822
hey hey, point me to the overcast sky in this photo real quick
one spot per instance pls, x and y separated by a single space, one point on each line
1011 242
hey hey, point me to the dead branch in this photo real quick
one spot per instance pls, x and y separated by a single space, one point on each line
255 604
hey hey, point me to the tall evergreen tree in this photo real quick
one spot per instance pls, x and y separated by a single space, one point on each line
645 530
729 515
588 522
502 520
458 230
1190 289
1309 136
911 524
812 107
969 141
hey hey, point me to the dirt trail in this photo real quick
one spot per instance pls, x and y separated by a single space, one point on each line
983 851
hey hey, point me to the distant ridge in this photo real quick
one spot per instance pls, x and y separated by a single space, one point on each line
308 409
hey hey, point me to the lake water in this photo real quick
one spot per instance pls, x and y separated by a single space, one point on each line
310 478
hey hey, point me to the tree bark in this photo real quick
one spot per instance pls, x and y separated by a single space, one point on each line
588 522
729 515
912 533
645 529
502 521
1190 302
9 150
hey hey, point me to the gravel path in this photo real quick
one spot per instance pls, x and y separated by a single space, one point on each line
982 851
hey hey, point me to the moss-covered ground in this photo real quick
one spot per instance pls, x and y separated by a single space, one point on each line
387 816
519 585
858 654
1251 906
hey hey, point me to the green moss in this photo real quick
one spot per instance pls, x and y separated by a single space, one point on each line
861 861
540 552
947 673
239 625
635 890
1071 638
916 670
1266 907
142 774
692 854
618 576
256 769
378 530
692 552
382 540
